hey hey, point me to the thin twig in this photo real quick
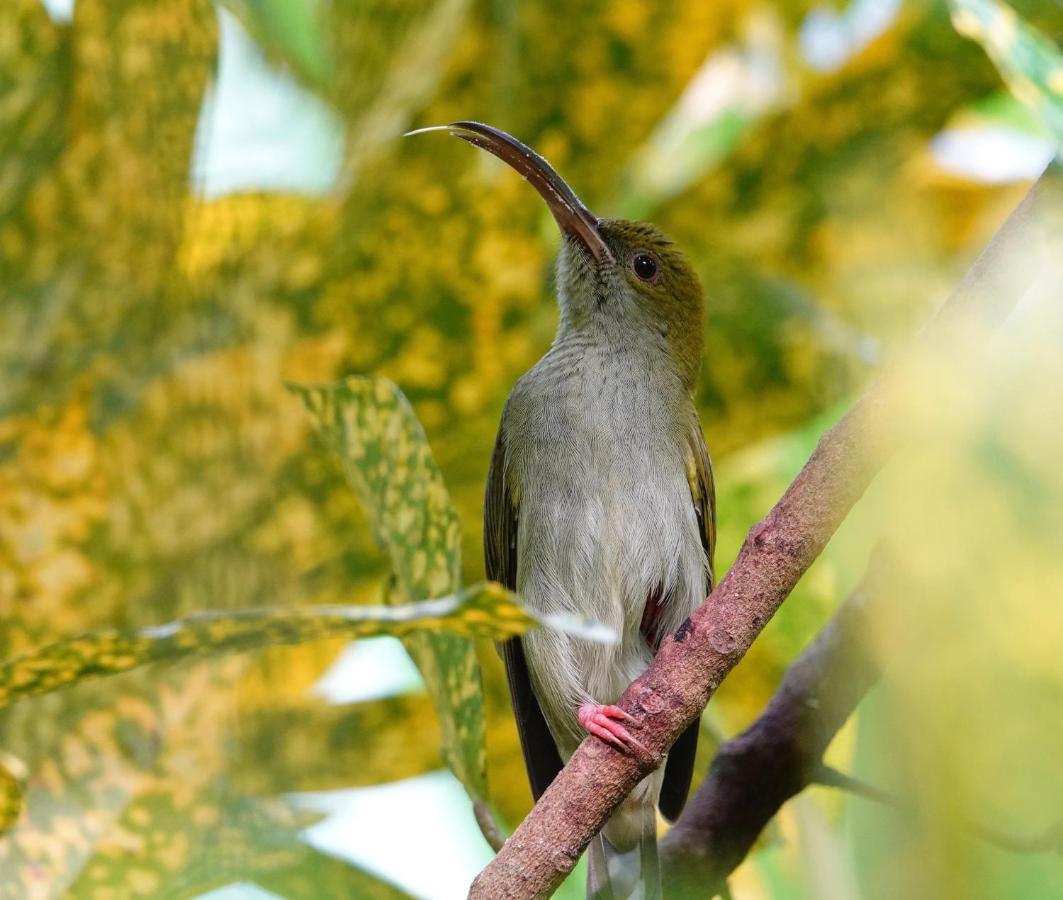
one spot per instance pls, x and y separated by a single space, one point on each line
828 776
489 826
1049 840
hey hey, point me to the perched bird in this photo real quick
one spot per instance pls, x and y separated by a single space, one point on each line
600 501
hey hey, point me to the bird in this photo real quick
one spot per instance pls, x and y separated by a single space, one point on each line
600 502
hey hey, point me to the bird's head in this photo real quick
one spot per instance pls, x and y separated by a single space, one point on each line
621 278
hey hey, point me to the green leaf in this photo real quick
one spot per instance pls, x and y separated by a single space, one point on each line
338 756
1002 109
1030 64
292 31
236 838
484 610
371 427
324 877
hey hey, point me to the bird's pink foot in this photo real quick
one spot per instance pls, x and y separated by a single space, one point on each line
605 722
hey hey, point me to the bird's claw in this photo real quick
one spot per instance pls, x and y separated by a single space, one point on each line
604 722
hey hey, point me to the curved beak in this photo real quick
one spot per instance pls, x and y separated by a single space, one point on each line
571 215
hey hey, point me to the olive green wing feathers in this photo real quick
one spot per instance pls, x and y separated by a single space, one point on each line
501 513
703 493
679 769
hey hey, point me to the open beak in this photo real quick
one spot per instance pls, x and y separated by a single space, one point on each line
572 216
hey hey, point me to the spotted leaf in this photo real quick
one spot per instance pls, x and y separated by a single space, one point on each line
484 610
371 427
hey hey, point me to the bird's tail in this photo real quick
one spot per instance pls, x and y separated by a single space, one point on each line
623 857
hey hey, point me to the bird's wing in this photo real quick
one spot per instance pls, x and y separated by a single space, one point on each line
500 557
679 769
703 493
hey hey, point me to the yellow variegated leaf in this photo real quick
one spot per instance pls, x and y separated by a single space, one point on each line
485 610
371 427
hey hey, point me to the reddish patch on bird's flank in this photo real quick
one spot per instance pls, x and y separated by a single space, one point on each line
651 618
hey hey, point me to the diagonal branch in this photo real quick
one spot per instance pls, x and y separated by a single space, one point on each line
779 755
776 553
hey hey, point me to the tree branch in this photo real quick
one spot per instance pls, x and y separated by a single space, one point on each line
776 553
779 755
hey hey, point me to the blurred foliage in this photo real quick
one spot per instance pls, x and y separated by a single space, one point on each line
292 33
968 732
152 465
12 789
1031 64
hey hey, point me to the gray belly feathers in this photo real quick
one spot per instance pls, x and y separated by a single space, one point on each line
597 459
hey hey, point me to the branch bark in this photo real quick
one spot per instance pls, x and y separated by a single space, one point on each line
779 755
776 553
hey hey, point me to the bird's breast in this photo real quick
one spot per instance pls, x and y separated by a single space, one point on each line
596 461
597 451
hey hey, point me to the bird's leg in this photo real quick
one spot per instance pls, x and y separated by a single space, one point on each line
604 722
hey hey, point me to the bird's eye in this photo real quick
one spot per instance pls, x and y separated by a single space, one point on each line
645 266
